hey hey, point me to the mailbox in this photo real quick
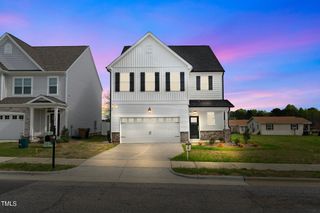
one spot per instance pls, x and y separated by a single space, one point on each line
188 146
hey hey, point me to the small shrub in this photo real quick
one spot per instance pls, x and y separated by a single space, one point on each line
246 136
221 139
200 143
237 141
211 141
64 135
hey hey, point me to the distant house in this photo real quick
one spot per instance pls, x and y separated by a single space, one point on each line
279 125
238 126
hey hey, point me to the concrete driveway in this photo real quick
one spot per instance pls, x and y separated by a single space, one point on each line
130 163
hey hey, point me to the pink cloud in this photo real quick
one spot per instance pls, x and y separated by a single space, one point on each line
232 52
267 99
12 20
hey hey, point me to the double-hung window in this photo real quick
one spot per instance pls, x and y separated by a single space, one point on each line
204 83
52 85
149 81
175 81
211 119
124 82
22 86
269 126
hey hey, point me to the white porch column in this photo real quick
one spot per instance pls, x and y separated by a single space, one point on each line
56 119
31 122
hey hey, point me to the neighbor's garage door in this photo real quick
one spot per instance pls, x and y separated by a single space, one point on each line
11 125
150 130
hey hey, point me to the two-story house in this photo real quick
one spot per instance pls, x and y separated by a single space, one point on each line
46 86
163 93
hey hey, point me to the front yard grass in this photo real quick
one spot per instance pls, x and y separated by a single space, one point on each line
248 172
81 149
270 149
32 167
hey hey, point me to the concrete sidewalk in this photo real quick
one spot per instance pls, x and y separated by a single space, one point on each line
62 161
258 166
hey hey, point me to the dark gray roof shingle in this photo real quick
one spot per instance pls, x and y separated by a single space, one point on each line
201 57
51 58
210 103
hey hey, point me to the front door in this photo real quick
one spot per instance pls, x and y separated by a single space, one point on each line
50 122
194 127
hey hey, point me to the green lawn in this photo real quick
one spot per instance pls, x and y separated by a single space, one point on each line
248 172
271 149
73 149
32 167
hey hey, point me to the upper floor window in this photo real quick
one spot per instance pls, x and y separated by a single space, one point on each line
204 82
211 119
149 81
52 85
7 49
124 82
175 81
22 86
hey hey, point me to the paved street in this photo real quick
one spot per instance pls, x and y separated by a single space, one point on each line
42 196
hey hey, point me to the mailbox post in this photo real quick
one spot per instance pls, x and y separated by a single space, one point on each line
54 147
188 148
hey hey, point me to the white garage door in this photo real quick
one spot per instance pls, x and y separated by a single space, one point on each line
150 130
11 125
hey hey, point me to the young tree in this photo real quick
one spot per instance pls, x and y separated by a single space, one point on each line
106 106
246 136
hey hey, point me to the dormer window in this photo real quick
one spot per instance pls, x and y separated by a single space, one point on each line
7 49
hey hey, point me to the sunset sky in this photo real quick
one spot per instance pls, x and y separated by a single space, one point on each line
269 49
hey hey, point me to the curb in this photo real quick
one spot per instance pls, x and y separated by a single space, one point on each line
207 176
31 173
282 179
244 178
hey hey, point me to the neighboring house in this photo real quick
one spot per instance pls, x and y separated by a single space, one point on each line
238 126
46 86
279 125
163 93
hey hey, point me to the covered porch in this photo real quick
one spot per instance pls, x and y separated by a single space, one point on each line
46 115
41 115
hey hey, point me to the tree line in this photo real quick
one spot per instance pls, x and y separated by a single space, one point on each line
312 114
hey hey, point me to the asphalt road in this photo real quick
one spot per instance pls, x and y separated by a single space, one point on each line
44 196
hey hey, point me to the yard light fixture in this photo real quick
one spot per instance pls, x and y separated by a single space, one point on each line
149 109
188 148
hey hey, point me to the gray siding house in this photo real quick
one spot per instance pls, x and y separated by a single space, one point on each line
162 93
46 86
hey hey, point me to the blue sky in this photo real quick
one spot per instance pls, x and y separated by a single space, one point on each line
269 49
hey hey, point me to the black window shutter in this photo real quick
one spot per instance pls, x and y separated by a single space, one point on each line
167 81
198 82
117 81
181 81
157 88
142 81
131 81
210 82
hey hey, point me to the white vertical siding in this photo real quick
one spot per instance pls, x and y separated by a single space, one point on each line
215 93
17 60
149 56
